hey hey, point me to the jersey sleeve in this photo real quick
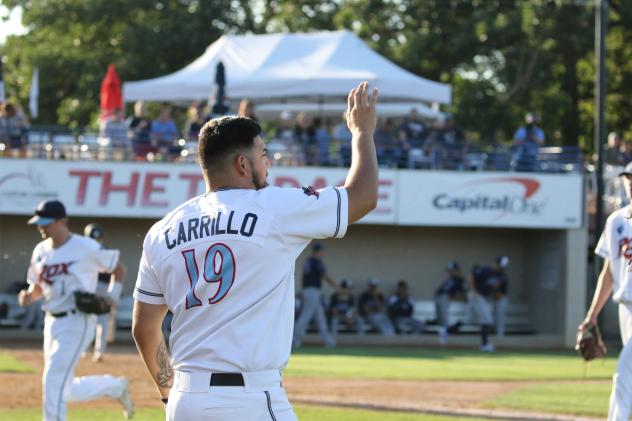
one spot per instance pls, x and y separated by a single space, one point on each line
604 244
306 213
31 273
105 259
147 289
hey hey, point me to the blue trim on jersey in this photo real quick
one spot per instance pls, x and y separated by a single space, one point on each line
338 212
151 294
270 405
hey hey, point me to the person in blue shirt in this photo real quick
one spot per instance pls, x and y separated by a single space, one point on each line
314 272
527 140
453 288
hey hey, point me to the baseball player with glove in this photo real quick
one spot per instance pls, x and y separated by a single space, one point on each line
63 272
107 286
615 246
223 263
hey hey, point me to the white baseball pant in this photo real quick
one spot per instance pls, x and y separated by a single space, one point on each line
262 398
65 338
621 396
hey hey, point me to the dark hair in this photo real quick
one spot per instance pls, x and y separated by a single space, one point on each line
222 137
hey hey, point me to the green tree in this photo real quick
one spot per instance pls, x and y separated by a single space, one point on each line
73 41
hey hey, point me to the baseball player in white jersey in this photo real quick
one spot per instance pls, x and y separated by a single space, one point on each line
223 263
615 246
62 264
106 287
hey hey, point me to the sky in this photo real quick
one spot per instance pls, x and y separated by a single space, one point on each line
13 26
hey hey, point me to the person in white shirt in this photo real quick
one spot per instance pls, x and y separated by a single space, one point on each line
223 264
62 264
615 247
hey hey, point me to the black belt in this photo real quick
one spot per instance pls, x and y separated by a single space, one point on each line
227 379
63 313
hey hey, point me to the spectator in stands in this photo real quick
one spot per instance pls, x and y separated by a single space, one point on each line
386 144
13 129
527 140
453 288
195 121
247 109
626 151
322 142
305 135
115 129
449 141
401 309
371 308
414 130
165 133
342 309
342 136
613 154
284 144
139 126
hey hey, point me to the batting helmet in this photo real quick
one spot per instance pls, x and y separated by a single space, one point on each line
93 231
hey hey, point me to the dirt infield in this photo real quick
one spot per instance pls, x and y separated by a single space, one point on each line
449 397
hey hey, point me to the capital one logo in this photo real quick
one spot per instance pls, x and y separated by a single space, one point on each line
473 197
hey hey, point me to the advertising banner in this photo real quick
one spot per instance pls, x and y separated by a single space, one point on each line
525 200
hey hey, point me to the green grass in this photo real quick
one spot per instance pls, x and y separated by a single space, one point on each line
440 364
10 364
571 398
305 413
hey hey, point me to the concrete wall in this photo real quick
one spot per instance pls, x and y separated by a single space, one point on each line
547 269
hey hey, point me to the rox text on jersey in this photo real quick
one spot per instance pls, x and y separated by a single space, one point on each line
48 272
207 226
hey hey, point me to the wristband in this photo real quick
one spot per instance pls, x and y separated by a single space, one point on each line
114 291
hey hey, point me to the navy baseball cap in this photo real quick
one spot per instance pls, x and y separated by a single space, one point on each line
453 266
93 231
627 170
503 261
48 212
345 283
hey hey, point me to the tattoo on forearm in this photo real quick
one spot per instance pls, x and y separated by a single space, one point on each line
164 376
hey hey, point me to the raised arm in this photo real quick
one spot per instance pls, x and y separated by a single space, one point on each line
361 183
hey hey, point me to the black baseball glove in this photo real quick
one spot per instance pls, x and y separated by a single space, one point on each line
589 343
89 303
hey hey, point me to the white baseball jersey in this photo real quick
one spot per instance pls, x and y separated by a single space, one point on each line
73 266
224 265
615 244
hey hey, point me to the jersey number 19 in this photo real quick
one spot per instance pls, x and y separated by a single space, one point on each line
219 267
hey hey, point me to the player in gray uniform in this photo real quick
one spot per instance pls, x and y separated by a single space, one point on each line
314 272
485 283
95 232
453 288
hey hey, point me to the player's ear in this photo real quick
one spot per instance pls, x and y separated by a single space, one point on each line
242 164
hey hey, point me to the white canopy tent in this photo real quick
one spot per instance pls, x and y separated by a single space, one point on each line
270 68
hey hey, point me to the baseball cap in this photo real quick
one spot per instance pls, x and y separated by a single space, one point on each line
627 170
93 231
373 282
453 266
48 212
503 261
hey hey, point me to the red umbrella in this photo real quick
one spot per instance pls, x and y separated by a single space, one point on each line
111 98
